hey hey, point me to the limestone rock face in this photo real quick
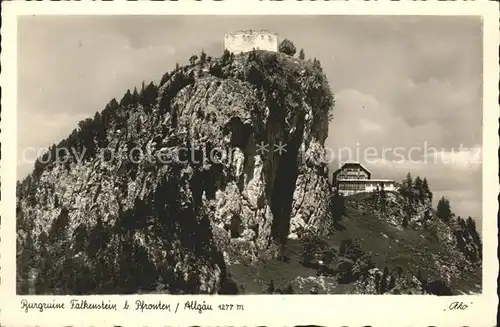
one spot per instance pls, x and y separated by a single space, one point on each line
310 206
186 181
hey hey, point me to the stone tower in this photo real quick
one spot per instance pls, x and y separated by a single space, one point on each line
247 40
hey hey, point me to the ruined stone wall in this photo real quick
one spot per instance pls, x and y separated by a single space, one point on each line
244 41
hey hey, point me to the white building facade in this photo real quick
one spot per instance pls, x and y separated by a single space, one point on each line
246 41
353 178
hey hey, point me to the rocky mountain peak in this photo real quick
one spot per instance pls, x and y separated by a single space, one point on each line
210 167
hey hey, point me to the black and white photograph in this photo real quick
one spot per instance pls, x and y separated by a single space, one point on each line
249 155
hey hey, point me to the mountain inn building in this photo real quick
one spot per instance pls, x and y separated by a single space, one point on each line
353 178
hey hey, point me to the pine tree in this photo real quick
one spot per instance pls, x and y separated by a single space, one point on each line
407 191
141 92
418 185
100 130
192 59
427 191
444 209
316 64
135 96
164 78
382 199
149 95
392 282
375 198
461 223
302 55
427 218
203 58
408 183
126 100
226 56
113 105
337 206
471 227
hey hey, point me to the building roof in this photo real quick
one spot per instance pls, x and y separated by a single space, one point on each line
352 164
365 180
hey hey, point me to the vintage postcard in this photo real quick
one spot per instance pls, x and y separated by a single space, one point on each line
249 163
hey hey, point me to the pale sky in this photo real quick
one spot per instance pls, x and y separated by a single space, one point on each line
408 82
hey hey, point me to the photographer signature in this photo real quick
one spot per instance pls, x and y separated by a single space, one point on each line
460 306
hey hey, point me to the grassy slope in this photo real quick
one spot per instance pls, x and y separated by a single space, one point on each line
410 249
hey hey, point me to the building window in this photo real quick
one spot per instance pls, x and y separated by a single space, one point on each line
352 186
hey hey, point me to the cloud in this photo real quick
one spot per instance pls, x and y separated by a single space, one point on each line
461 159
370 126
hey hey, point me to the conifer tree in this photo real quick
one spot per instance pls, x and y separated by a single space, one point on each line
427 191
192 59
316 64
461 223
135 96
164 78
382 199
226 56
471 227
149 94
337 206
391 283
113 105
418 185
203 58
407 191
126 100
100 130
302 55
408 183
444 209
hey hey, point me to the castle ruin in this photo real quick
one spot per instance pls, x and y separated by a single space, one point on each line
247 40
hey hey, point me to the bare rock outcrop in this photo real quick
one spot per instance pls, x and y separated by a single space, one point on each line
216 165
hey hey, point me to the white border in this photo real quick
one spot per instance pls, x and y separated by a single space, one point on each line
329 310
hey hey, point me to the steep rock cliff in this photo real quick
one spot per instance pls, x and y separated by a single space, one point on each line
162 190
